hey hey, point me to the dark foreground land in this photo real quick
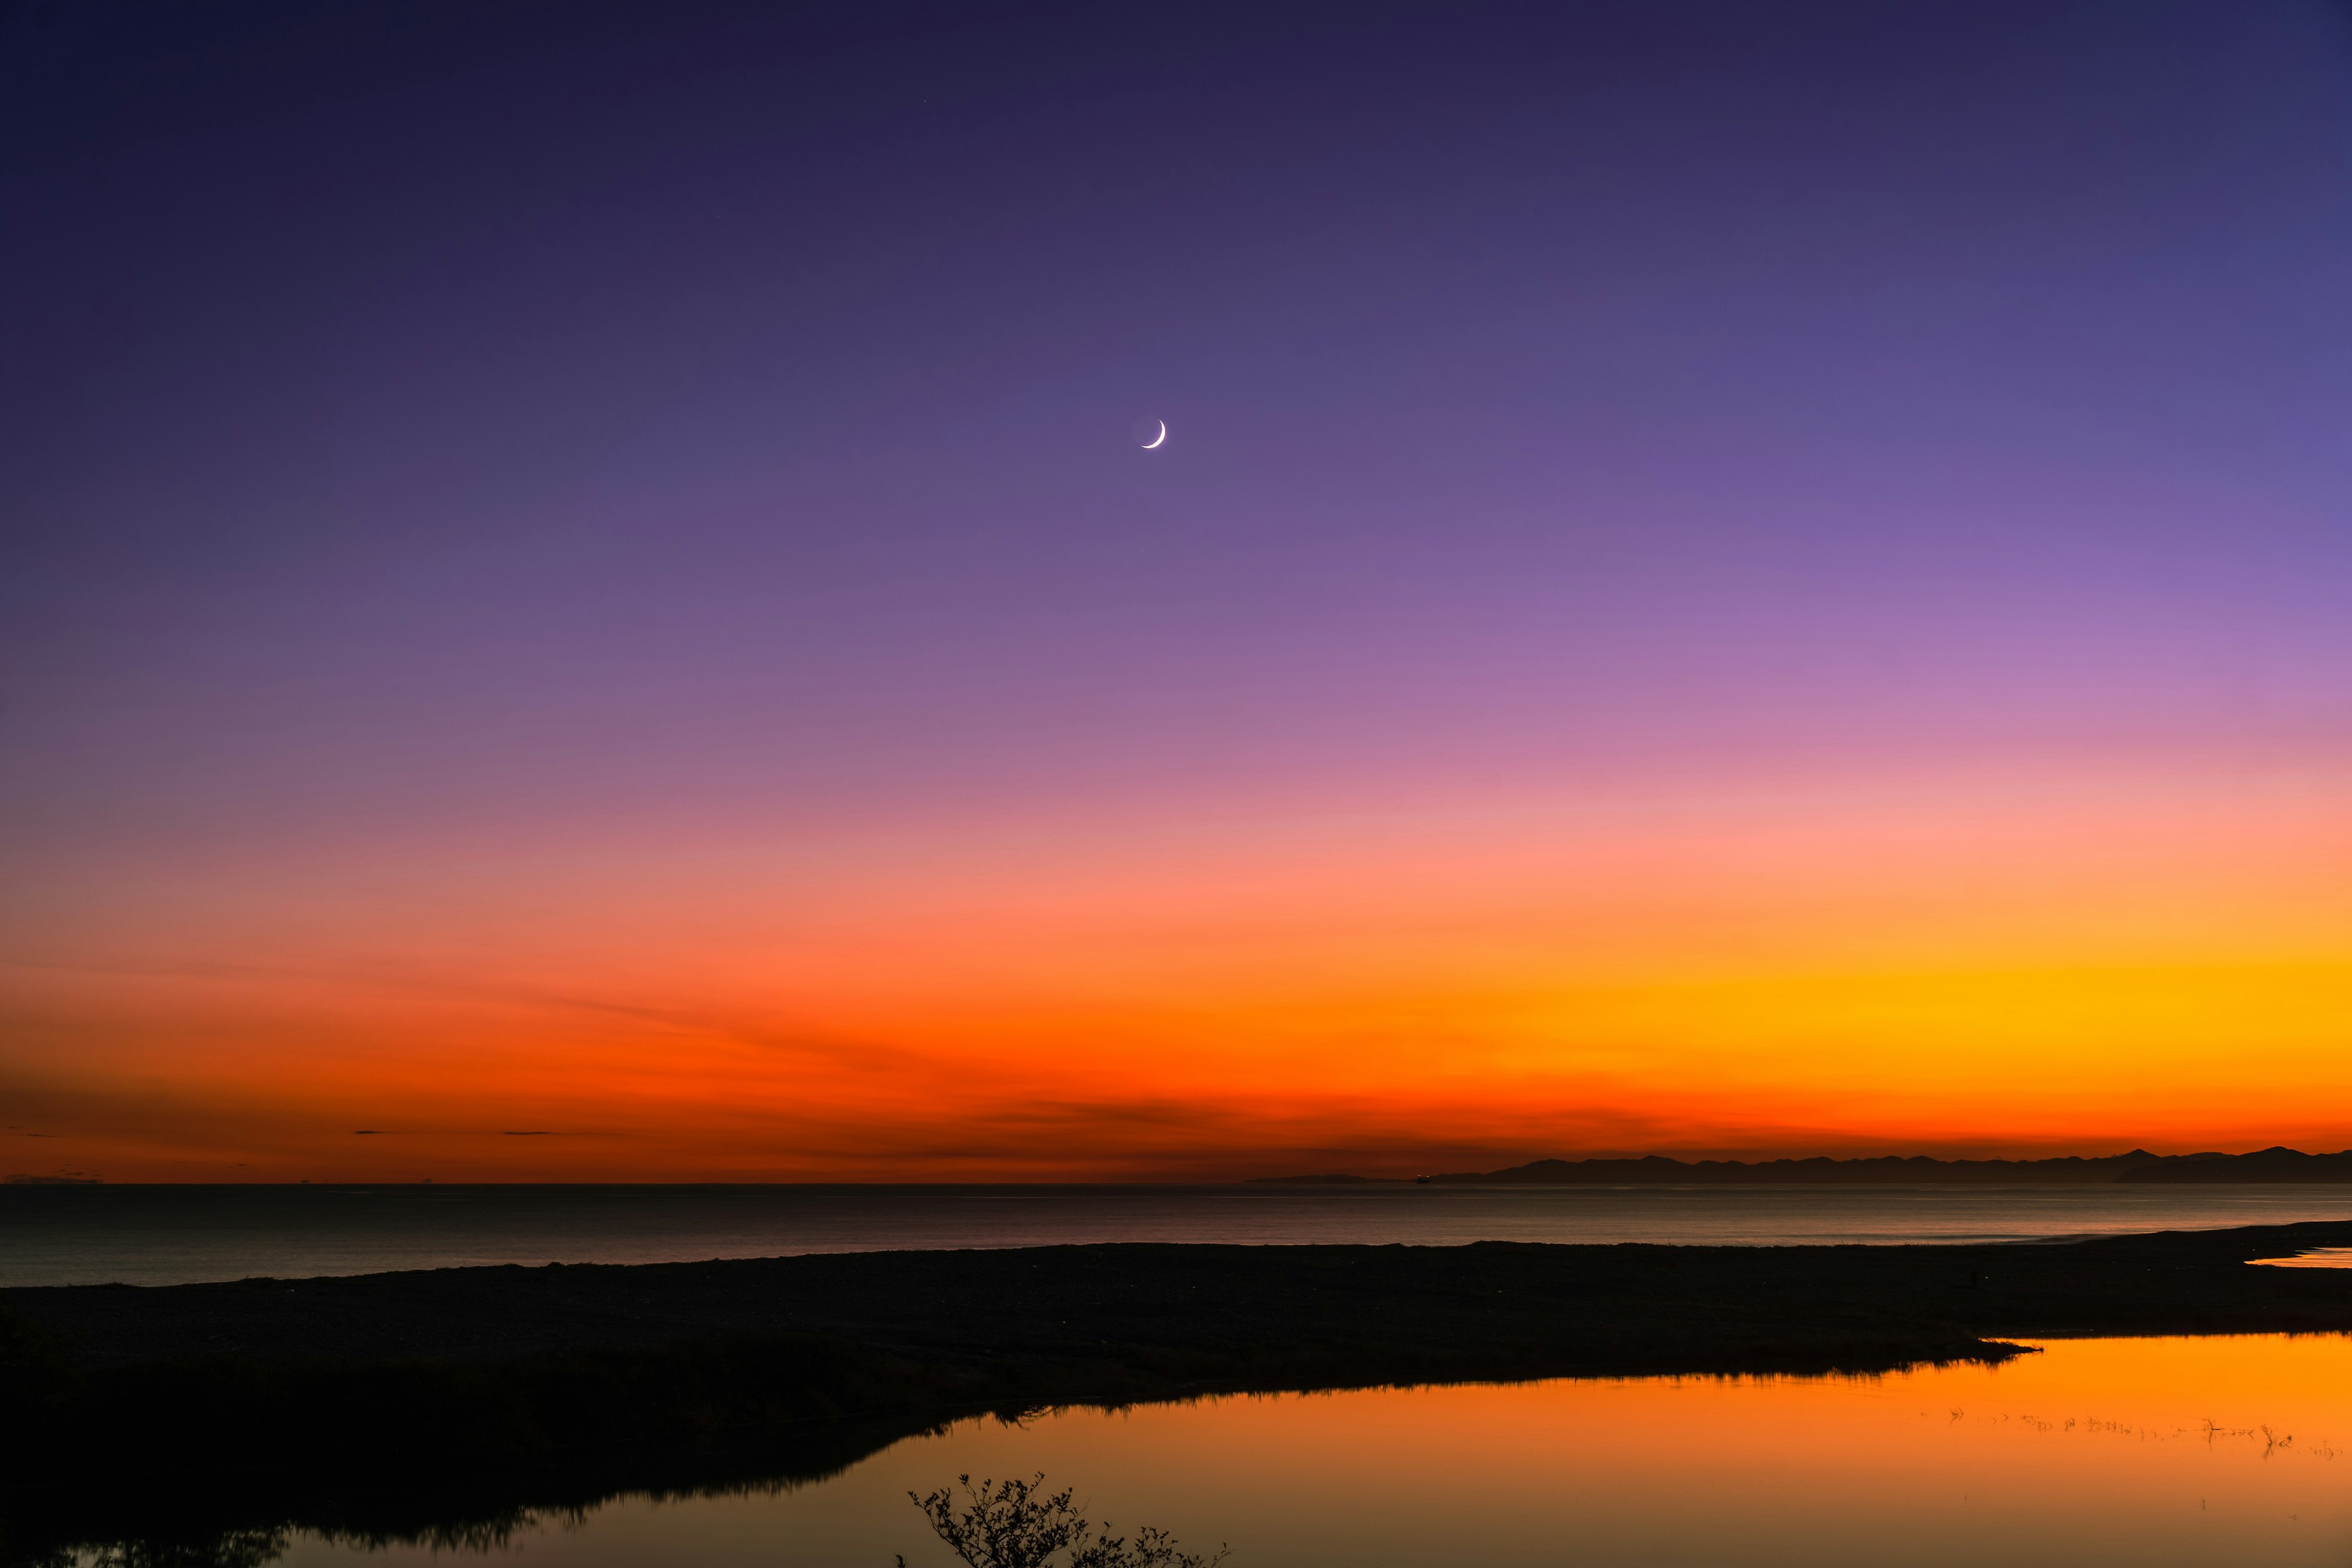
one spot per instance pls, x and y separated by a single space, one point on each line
395 1403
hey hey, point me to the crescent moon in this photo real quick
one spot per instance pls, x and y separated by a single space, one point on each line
1156 440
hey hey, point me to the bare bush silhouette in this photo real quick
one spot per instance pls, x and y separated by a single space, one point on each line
1019 1524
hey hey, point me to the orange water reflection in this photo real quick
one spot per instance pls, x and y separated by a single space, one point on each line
2163 1451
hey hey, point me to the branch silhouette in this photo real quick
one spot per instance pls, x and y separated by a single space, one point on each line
1020 1524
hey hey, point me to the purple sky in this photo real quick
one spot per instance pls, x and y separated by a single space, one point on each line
508 407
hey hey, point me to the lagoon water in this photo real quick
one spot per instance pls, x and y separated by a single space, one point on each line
2153 1452
2148 1452
169 1235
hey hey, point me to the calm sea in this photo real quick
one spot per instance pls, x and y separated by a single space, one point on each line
168 1234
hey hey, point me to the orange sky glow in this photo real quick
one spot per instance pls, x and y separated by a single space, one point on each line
2075 962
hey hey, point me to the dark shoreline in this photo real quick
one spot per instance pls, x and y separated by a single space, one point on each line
382 1403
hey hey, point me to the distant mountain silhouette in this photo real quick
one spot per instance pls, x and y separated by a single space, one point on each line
2271 1165
2274 1164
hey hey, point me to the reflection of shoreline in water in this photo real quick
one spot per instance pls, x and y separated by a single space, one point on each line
2312 1257
188 1529
2181 1451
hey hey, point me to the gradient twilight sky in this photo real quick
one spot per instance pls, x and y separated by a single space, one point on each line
1725 577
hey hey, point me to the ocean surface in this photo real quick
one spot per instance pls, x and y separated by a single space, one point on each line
2157 1453
169 1235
